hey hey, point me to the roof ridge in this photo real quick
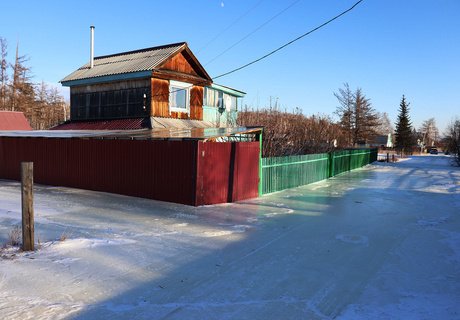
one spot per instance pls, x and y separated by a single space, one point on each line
177 44
86 66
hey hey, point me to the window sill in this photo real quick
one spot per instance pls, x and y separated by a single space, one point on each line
179 110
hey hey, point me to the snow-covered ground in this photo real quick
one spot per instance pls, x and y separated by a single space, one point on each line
382 242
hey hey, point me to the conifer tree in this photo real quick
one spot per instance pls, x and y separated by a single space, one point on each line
358 118
404 139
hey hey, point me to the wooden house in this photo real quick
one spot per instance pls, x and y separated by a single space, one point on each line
161 86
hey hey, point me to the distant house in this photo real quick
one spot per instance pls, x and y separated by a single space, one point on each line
13 121
381 141
164 86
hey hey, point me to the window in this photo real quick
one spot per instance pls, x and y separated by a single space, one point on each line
210 97
230 102
115 104
219 99
179 96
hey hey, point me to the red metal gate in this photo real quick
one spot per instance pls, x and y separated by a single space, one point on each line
227 172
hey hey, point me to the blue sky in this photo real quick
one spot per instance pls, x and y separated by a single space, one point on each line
386 47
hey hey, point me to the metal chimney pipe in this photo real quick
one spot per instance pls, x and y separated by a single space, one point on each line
91 48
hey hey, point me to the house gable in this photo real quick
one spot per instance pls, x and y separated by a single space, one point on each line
183 66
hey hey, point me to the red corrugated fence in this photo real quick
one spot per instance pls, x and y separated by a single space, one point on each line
188 172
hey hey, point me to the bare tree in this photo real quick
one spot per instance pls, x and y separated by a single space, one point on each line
385 126
22 90
292 133
3 72
42 104
452 139
345 111
429 132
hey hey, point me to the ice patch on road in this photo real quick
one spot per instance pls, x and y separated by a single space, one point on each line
432 222
320 186
353 239
220 233
66 261
82 243
410 306
276 213
180 225
452 239
181 215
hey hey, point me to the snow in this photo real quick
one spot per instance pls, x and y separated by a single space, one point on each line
382 242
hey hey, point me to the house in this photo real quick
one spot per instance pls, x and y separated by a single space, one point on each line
381 141
12 120
158 87
147 123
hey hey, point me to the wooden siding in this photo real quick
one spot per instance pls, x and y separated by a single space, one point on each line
160 98
196 103
110 86
180 64
179 115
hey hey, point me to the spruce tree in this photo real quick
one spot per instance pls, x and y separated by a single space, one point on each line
404 139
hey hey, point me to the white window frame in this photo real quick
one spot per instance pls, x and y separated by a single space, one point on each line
182 85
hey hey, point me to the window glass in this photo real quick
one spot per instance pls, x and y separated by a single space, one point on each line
220 100
179 96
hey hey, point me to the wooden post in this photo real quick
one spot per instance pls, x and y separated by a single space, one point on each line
261 176
27 184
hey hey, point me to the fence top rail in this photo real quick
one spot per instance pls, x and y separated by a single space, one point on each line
264 165
351 154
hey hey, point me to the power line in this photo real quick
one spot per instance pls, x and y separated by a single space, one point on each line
272 52
252 32
290 42
230 25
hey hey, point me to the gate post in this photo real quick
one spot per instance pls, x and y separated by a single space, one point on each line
331 164
260 136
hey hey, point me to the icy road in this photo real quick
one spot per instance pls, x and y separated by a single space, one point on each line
382 242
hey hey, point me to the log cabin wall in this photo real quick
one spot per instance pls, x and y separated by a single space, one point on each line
196 103
160 90
182 70
160 98
160 101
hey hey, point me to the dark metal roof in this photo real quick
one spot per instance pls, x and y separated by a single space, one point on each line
143 134
116 124
126 62
11 120
134 124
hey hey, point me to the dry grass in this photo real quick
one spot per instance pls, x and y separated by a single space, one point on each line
15 236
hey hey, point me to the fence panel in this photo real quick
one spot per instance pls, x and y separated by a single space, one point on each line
162 170
281 173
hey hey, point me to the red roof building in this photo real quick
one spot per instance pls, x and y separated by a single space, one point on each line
12 120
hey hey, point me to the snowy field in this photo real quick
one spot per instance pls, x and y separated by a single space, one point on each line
382 242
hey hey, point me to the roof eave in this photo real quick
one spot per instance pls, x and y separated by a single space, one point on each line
108 78
228 90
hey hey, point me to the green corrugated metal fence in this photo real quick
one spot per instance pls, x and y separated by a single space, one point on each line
281 173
